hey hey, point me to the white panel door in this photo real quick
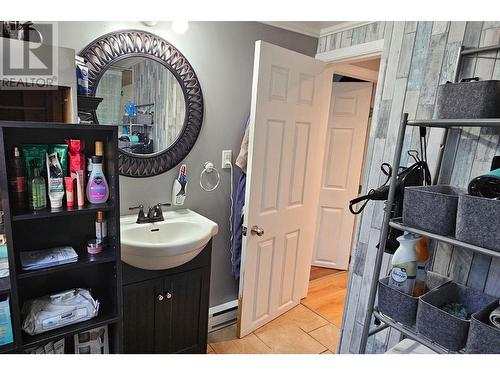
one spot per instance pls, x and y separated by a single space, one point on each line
289 113
342 165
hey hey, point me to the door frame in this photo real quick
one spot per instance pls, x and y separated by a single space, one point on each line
338 59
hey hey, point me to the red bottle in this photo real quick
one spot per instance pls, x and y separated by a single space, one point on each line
17 182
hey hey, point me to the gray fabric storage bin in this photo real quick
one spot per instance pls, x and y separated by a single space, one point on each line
400 306
483 336
480 99
478 221
442 327
431 208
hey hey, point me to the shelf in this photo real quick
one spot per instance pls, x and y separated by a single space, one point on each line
4 285
88 103
56 334
107 256
411 333
48 213
456 123
7 348
397 224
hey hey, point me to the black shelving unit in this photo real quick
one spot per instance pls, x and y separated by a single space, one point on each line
31 231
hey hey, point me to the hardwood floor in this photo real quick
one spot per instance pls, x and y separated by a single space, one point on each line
319 272
313 327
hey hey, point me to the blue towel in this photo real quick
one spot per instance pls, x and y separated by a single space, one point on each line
239 204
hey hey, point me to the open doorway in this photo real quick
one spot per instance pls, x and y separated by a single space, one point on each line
313 326
350 116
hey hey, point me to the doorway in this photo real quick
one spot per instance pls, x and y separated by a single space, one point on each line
313 326
345 148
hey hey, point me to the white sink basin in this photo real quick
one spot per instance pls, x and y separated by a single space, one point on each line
166 244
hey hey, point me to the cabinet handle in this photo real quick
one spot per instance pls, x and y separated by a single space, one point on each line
169 295
160 297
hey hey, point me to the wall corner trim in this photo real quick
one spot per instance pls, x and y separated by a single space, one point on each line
343 27
359 51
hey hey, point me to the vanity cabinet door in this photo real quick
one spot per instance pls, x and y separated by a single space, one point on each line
189 314
139 304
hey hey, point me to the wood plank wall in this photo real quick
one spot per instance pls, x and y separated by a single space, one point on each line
417 57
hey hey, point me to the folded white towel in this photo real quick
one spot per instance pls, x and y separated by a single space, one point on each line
495 317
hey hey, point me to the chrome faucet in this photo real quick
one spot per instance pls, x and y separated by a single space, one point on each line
155 213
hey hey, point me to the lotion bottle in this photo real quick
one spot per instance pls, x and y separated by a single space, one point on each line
97 186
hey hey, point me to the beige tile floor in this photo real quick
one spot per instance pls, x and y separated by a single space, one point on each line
309 328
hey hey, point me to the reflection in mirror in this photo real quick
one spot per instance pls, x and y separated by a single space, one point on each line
158 117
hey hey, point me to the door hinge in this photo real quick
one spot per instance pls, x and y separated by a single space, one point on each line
371 112
244 230
359 189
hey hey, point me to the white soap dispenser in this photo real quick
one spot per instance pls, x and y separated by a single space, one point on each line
179 187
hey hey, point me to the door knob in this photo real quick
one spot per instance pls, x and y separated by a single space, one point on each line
160 297
256 230
169 295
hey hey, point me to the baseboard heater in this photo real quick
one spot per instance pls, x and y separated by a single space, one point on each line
223 315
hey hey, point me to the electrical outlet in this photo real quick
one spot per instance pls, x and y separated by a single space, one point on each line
227 158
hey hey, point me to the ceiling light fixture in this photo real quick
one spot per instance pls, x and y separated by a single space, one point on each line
149 23
180 27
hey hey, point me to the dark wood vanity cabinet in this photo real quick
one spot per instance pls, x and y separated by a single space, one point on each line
167 311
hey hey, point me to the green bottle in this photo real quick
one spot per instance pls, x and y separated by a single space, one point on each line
38 190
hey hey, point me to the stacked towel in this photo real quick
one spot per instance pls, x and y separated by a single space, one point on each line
495 317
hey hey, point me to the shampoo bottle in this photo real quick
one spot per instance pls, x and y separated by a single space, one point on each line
38 189
97 186
17 181
404 264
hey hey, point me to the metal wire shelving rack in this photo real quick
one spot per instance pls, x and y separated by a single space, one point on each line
443 175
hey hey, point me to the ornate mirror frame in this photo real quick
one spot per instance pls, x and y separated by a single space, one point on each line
108 49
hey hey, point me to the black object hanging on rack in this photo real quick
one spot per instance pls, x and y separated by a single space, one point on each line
417 174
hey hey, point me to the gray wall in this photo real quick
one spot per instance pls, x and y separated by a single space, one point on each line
221 53
417 57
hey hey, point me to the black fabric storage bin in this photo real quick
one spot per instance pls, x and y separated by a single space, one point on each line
483 336
479 99
400 306
431 208
442 327
478 221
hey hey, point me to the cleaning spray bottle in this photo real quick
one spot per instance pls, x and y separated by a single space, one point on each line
404 264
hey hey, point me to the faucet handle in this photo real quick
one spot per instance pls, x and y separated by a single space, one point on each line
140 216
164 204
140 207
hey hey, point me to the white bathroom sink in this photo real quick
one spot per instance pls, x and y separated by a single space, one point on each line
165 244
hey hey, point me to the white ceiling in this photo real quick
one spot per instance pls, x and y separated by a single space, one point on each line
311 28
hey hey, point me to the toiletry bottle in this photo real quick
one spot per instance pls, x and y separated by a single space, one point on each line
97 186
38 189
99 149
423 257
101 228
404 264
17 182
89 168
